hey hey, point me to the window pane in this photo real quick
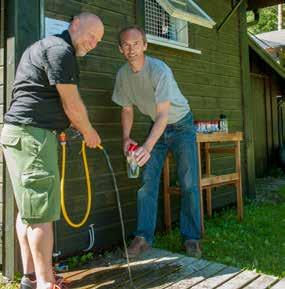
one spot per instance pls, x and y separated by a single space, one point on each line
159 23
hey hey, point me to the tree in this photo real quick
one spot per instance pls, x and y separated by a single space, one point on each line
267 20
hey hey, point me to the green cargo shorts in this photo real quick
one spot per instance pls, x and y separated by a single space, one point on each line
32 159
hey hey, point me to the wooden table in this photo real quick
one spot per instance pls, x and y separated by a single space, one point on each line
209 181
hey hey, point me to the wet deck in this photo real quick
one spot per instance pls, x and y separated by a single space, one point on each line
162 269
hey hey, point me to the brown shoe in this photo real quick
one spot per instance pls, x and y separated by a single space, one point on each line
138 246
192 248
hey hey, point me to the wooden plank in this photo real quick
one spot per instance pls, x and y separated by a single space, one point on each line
240 280
219 180
112 5
166 195
279 285
1 94
9 237
222 150
22 29
218 278
140 13
160 267
262 282
256 4
269 118
219 137
248 104
239 183
110 267
260 119
180 275
179 266
75 7
140 267
200 188
1 75
197 276
208 174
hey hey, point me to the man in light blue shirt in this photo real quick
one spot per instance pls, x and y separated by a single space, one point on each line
148 83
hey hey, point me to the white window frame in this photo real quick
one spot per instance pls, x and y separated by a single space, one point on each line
181 15
203 20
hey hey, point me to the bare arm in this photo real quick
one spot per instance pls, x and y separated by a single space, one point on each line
143 153
77 113
127 118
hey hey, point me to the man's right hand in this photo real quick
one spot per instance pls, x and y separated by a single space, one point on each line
91 138
126 143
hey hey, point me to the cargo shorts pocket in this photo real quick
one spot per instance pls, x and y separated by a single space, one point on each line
38 187
10 140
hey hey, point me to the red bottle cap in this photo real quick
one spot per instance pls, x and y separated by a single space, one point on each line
132 147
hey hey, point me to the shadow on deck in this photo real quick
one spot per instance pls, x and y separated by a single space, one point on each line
162 269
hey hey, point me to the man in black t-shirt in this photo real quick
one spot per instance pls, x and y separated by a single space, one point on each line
45 100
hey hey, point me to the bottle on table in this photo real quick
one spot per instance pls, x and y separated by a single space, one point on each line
223 123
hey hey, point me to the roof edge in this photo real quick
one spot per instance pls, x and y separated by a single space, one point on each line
266 57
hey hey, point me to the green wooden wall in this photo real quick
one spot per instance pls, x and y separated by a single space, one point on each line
272 85
211 81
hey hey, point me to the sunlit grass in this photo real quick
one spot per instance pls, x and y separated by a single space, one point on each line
256 243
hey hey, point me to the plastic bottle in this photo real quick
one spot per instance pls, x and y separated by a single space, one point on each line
133 168
223 123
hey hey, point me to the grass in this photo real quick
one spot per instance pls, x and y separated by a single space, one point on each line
258 243
8 285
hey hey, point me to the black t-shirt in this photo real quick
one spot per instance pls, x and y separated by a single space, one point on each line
35 99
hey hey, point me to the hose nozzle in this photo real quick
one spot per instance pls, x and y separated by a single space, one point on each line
99 147
62 138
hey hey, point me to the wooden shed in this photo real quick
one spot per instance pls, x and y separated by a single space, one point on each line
267 86
211 66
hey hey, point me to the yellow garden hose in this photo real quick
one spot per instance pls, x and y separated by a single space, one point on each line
62 139
89 193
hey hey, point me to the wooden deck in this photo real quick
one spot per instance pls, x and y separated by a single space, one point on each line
162 269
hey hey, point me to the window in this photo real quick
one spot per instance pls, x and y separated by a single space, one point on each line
166 21
160 26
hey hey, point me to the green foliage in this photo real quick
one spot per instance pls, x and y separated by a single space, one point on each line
258 243
8 285
267 21
17 277
76 261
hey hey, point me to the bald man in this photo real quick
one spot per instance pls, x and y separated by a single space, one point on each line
45 101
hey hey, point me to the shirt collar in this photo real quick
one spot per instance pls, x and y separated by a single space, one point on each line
66 36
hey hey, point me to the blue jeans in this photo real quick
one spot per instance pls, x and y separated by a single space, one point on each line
180 138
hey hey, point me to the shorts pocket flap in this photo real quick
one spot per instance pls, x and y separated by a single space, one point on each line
36 176
9 140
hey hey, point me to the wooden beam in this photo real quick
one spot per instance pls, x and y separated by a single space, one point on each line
22 27
229 15
219 180
219 137
256 4
140 12
248 104
222 150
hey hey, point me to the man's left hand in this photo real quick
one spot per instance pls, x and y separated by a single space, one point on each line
142 155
